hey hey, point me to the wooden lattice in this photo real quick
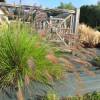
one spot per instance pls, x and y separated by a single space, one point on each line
61 27
64 29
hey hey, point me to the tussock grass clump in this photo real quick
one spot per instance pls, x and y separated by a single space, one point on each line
25 57
88 35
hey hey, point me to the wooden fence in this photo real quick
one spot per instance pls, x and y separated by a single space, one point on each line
61 28
64 29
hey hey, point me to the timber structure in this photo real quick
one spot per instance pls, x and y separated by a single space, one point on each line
60 25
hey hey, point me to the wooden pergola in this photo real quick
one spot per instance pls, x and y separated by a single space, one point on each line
60 24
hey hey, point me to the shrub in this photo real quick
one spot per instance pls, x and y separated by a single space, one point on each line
97 28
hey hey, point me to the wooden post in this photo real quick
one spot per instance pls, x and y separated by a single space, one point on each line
71 24
77 20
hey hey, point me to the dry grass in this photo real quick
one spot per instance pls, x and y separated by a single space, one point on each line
20 94
89 35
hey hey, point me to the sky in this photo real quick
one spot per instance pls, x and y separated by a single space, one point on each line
54 3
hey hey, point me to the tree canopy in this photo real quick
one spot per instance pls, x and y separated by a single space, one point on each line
69 6
90 15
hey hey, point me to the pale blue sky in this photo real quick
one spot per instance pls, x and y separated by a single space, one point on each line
54 3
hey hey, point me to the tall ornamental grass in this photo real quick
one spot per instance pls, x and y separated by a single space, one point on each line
89 35
25 57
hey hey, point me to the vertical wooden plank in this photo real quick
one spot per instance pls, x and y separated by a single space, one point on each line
77 20
73 18
70 24
71 27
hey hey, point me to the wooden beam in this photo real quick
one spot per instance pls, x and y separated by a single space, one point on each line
53 18
77 20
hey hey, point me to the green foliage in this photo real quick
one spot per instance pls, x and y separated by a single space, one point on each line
97 28
23 58
90 15
88 96
93 96
96 61
69 6
51 96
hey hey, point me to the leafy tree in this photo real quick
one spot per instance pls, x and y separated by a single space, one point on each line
69 6
90 15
